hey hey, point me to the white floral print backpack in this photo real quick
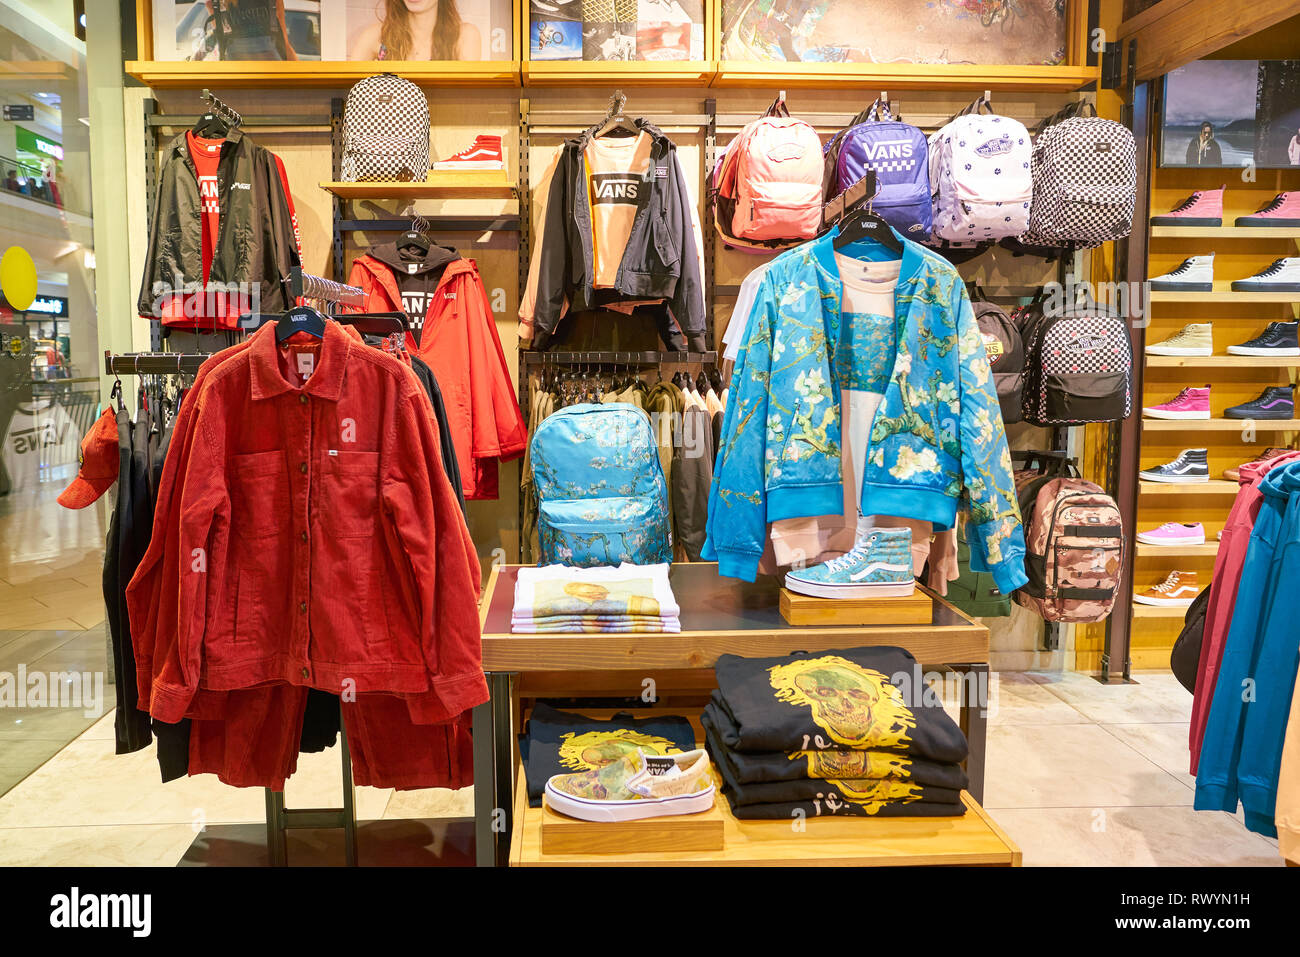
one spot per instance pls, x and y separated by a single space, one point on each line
980 170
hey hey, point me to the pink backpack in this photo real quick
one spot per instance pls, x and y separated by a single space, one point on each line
768 185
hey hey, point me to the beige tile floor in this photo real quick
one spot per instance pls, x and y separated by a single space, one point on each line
1078 773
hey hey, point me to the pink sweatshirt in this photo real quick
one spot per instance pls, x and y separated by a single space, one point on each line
1223 591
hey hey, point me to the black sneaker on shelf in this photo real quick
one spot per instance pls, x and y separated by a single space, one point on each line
1275 402
1277 339
1192 465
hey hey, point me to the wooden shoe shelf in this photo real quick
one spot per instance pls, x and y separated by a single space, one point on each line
1236 317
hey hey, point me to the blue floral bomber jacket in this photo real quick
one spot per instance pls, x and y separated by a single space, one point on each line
936 438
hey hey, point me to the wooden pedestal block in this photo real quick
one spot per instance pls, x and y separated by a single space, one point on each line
914 609
683 832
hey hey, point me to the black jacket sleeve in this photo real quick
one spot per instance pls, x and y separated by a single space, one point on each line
280 250
557 248
145 304
687 303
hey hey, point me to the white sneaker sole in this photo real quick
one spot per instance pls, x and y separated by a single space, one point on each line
1167 602
471 164
1262 351
1189 540
585 809
873 590
1159 350
1154 413
1173 479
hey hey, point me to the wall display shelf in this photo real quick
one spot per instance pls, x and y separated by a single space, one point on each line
691 73
1169 489
1225 232
471 184
169 74
1220 425
1223 292
906 76
1223 362
1177 551
1158 611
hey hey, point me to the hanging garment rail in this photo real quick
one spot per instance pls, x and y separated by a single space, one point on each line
618 358
153 363
305 285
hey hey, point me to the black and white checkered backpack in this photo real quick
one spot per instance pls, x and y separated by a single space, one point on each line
1085 181
385 131
1078 364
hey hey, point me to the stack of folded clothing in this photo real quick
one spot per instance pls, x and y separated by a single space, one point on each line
629 598
848 733
557 742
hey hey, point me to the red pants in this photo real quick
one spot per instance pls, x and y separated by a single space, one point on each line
250 738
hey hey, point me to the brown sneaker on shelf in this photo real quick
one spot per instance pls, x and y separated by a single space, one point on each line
1176 591
1234 474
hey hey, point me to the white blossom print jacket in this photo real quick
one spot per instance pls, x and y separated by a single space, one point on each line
937 438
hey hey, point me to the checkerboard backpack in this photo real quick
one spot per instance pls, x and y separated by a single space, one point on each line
896 151
385 131
1085 181
980 173
1079 364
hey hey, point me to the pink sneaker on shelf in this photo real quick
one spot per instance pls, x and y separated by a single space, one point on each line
1203 208
1188 404
484 154
1282 210
1174 533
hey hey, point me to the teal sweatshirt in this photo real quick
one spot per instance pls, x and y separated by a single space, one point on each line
937 438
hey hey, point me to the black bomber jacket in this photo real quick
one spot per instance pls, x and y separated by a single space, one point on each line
660 260
255 244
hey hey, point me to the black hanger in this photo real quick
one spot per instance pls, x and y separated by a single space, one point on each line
616 119
375 323
300 319
217 120
863 223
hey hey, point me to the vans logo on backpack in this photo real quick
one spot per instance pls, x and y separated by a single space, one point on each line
995 147
1085 344
887 149
785 152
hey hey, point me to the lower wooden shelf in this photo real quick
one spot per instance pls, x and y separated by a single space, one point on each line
1177 551
1212 487
1222 362
973 839
1159 611
1220 425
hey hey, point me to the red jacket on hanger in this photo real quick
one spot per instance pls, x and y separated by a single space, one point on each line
315 537
459 342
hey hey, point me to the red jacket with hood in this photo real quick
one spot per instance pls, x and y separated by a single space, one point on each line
459 342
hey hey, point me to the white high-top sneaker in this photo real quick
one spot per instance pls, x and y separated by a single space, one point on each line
1196 274
1283 275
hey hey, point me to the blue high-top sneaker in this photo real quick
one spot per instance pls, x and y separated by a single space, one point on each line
879 566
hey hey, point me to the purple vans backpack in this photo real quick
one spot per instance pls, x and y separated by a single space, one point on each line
897 152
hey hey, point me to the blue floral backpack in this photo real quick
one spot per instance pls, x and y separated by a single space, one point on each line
601 494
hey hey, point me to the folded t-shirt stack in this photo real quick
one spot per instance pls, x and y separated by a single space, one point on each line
629 598
557 742
849 733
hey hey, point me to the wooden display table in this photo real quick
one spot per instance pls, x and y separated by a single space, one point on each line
719 616
973 839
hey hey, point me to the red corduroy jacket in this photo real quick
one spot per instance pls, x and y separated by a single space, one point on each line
315 538
459 341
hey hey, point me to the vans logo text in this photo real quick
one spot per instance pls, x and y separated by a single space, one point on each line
888 149
617 188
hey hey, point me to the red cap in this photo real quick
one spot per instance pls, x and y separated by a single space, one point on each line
99 463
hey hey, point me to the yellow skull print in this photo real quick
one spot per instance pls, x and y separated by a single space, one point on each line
595 749
871 795
855 764
856 706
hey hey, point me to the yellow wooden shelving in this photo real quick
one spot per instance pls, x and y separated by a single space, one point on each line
1225 232
1220 425
164 74
1223 292
1158 611
1223 362
1212 487
1209 549
691 73
905 76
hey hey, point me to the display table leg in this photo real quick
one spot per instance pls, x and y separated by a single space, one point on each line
484 783
975 723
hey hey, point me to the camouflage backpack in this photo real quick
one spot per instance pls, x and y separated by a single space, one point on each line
1074 545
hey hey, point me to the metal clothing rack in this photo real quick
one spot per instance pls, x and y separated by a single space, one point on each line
619 358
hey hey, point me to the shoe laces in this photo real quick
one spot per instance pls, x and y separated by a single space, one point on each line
1274 269
849 558
1185 265
1272 204
1189 202
1169 584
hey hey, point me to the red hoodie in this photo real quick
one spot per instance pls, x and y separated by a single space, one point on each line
1228 564
459 342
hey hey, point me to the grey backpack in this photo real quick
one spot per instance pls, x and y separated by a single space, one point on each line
385 131
1085 181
